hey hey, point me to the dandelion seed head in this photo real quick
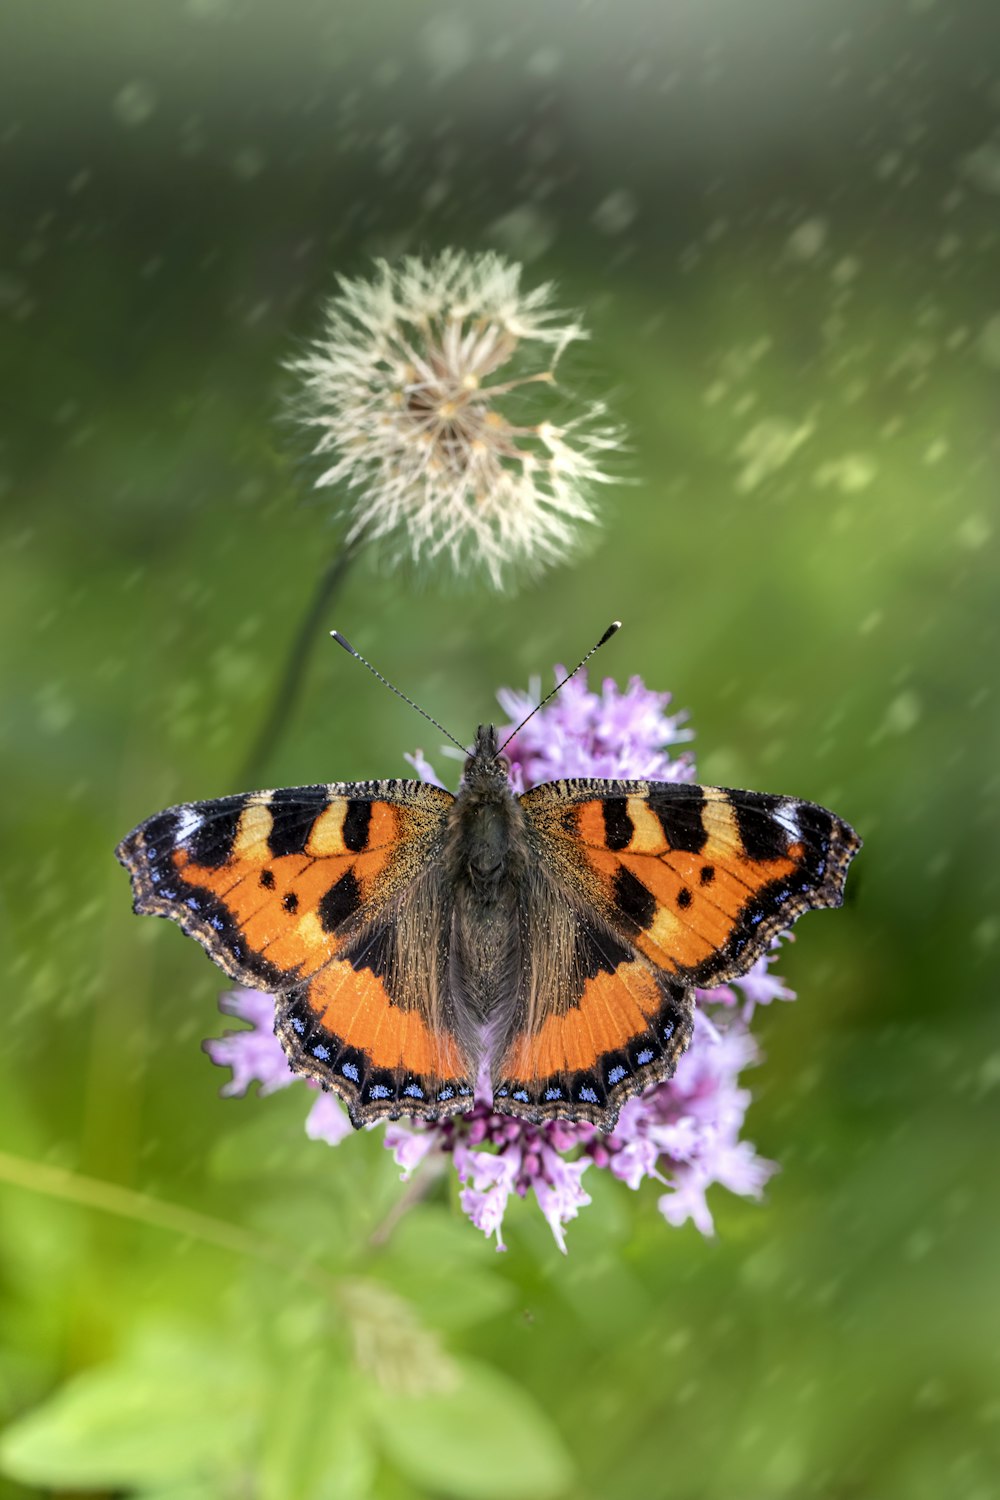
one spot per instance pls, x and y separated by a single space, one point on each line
435 401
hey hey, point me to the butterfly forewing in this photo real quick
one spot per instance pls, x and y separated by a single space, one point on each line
303 893
700 879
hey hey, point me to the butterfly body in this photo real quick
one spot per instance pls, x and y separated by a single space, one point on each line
486 844
542 948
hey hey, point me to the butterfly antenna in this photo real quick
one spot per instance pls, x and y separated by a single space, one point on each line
615 625
343 641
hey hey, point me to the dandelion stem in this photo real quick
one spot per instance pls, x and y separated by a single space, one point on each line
283 702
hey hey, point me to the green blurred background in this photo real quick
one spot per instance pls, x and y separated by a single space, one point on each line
782 222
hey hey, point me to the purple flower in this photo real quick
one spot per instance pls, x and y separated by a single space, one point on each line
760 988
328 1120
583 733
496 1155
255 1056
685 1134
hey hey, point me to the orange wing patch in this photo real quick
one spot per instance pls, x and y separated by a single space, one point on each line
384 1059
349 1002
290 908
626 1031
272 883
612 1009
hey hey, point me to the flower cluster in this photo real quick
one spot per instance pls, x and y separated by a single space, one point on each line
684 1134
434 397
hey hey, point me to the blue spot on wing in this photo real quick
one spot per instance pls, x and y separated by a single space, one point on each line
617 1073
350 1071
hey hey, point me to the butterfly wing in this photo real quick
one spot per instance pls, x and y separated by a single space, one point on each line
701 879
652 888
593 1021
332 898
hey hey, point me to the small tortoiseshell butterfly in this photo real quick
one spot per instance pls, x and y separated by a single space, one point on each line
417 942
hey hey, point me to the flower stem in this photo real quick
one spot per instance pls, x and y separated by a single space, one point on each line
420 1184
279 714
142 1208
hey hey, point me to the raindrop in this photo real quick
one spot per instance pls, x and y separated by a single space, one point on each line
525 233
135 102
544 63
974 532
903 713
248 163
807 240
616 212
982 167
767 447
989 342
446 43
849 474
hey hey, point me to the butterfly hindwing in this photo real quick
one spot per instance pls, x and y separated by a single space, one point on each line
378 1023
596 1023
311 893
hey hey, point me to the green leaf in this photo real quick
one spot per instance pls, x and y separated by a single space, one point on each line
172 1409
317 1442
485 1440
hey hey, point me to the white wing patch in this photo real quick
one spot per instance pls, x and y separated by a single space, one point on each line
188 822
784 814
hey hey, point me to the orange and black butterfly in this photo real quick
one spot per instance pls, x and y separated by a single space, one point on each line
421 946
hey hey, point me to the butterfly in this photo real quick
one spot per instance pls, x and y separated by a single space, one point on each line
425 948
